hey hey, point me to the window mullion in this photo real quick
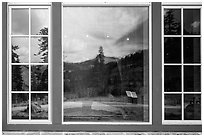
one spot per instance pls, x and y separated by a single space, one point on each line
182 69
29 65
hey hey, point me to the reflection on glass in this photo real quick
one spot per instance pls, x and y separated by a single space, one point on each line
20 77
39 106
172 50
191 50
20 49
19 21
172 22
172 78
39 77
39 21
191 20
192 107
192 79
20 108
106 64
172 106
39 50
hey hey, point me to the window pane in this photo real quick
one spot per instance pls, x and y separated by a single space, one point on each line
39 78
172 22
20 77
192 79
191 20
106 64
172 106
172 78
19 21
39 106
39 50
39 21
192 105
20 109
20 49
172 50
191 50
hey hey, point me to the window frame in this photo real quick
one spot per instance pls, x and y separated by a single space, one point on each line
56 74
182 64
149 5
9 64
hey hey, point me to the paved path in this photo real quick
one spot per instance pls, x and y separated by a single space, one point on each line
88 106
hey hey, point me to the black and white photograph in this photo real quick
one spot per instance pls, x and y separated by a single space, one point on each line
102 67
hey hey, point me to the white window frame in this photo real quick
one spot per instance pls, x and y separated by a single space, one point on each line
150 61
182 64
9 74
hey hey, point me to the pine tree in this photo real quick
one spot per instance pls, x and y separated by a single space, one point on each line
171 25
40 73
99 72
43 45
17 80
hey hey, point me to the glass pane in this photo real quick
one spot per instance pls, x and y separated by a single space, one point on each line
39 78
192 79
39 106
106 64
172 22
20 77
172 106
20 49
192 107
191 20
192 50
20 109
172 50
172 79
39 50
39 21
19 21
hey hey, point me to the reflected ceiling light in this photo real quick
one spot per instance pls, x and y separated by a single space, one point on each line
128 39
87 36
107 36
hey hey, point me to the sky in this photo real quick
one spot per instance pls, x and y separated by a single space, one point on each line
119 30
20 26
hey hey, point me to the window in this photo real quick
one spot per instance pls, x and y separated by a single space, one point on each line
106 65
181 65
29 65
101 67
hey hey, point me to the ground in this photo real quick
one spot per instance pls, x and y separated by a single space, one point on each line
104 109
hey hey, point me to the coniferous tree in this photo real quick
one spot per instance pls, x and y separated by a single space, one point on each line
172 26
40 73
17 80
43 45
99 72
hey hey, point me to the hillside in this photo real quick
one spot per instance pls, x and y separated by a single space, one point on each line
114 76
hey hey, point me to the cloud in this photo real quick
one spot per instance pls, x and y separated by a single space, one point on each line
137 36
35 58
87 28
39 20
100 35
196 24
20 21
23 50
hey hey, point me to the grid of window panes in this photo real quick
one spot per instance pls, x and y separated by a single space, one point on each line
29 64
182 63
